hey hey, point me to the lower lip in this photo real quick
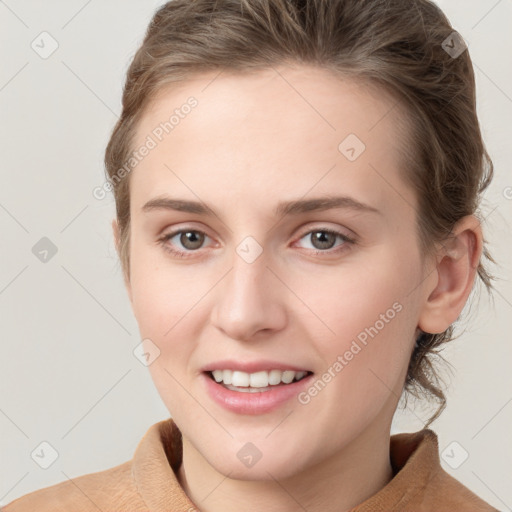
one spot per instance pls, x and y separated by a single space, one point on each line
253 403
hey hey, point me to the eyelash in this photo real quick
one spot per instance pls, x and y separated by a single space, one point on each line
184 254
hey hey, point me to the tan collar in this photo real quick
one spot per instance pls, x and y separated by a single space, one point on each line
159 455
420 451
156 458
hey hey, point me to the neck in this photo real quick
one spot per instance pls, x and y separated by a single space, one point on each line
345 480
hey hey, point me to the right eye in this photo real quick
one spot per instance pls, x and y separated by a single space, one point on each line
190 239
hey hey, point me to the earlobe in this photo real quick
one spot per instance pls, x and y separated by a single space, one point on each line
456 267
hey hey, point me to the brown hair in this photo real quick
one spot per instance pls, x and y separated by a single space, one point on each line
399 49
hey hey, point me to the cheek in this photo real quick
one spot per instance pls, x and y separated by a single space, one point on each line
364 363
160 309
164 310
373 315
352 298
160 296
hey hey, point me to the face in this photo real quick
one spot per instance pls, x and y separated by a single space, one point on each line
333 290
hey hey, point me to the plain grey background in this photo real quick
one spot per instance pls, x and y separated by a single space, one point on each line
68 375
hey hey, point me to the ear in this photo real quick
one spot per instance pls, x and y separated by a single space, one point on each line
117 240
456 267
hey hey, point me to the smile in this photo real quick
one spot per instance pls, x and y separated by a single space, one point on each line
254 393
258 381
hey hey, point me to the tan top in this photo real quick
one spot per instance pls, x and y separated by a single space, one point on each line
148 482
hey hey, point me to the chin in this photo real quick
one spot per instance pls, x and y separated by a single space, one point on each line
250 464
263 472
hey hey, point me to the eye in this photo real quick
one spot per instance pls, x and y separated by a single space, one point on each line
190 239
323 239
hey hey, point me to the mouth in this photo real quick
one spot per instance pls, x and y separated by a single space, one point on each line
256 382
257 392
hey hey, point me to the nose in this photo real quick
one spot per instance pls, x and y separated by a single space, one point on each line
249 300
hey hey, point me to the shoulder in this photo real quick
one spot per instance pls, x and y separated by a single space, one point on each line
107 490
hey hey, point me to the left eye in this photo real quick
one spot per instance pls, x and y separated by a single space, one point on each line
324 239
191 239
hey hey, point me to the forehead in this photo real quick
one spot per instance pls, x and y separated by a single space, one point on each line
268 133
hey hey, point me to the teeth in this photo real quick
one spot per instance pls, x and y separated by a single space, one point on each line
240 379
274 377
260 379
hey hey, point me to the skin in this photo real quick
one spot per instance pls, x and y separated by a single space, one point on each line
251 142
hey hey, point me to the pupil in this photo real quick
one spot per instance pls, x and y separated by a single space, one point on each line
191 240
321 236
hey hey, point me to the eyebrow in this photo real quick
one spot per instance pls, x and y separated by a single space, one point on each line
284 208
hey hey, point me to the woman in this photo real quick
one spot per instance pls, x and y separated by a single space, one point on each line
297 188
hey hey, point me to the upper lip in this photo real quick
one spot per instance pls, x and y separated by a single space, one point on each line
251 366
